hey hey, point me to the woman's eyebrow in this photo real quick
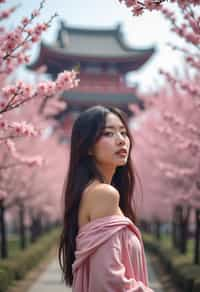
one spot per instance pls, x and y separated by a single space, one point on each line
114 127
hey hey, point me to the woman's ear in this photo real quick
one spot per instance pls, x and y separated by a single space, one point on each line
90 152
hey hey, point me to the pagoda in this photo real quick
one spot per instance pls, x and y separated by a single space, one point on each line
104 60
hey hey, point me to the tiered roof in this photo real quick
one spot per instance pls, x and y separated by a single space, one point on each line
104 59
85 45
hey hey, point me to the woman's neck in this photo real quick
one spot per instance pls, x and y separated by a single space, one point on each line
107 172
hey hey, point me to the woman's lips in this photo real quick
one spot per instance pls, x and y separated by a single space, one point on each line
122 152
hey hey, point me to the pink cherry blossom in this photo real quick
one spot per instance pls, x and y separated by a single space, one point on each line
6 13
36 12
3 195
3 124
137 9
25 21
24 128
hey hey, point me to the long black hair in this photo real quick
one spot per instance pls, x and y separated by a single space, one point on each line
82 170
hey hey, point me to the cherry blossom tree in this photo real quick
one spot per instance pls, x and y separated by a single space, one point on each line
138 7
22 125
167 134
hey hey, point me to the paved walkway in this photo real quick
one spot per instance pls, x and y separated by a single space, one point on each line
50 280
153 278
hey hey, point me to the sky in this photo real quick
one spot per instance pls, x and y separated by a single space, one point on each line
150 29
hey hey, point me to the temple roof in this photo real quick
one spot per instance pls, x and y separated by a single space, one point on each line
107 43
92 45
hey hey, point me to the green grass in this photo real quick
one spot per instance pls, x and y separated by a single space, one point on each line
20 262
13 246
166 242
180 266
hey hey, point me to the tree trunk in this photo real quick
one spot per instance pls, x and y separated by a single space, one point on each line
158 229
174 228
39 226
33 228
184 223
197 237
4 244
22 231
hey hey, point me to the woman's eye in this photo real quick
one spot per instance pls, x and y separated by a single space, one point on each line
124 133
108 134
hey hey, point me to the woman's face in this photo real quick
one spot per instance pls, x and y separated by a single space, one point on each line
112 148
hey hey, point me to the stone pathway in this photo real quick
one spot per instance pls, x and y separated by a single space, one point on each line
157 271
153 277
50 280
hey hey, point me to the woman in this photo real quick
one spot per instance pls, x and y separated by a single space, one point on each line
101 249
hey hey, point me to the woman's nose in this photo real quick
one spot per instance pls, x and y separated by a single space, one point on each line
120 139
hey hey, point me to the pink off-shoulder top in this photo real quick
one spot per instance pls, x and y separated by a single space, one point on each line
110 257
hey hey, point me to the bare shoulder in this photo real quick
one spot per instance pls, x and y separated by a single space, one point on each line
101 191
102 200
